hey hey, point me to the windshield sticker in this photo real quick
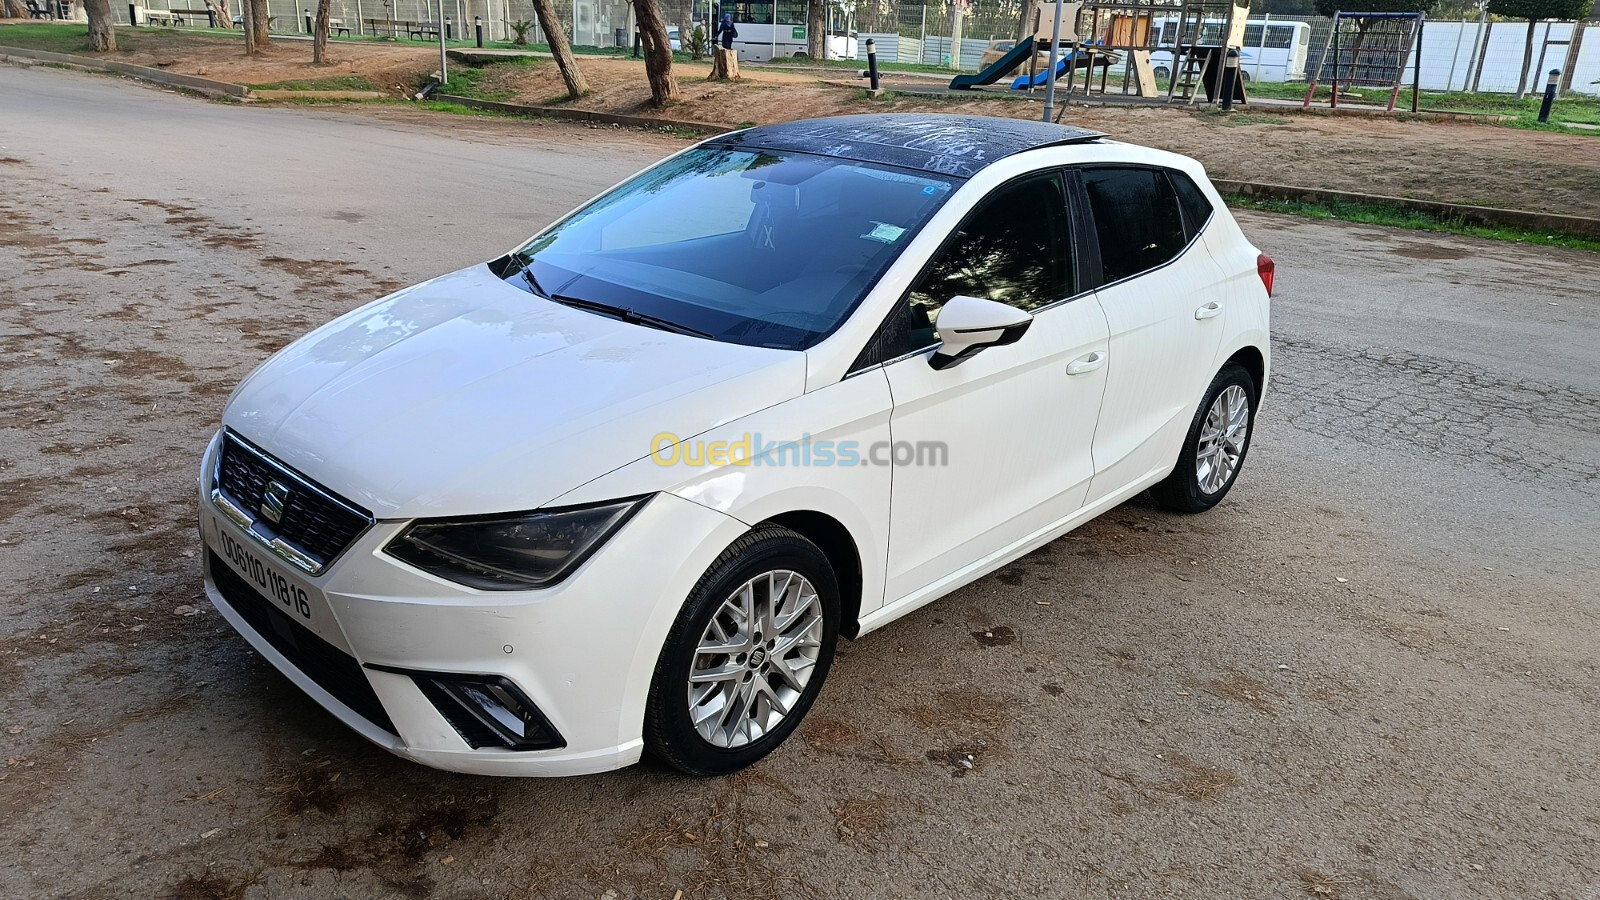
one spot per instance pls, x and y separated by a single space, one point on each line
884 233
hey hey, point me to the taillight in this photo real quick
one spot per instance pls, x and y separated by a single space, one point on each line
1267 269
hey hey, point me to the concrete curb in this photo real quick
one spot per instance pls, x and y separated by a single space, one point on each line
143 73
583 115
1488 216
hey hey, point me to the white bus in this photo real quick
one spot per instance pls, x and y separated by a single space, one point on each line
1281 58
769 30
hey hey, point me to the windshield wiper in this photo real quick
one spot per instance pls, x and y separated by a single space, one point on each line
628 315
526 271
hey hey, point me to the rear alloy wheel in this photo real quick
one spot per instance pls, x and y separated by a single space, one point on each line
747 655
1214 451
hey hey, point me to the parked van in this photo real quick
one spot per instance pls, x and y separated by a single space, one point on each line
1282 57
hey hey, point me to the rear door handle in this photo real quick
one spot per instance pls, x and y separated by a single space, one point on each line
1208 310
1086 364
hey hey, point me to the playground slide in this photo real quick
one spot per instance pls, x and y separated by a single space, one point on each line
1002 67
1063 65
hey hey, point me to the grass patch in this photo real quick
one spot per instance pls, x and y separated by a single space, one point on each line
1397 217
1217 116
334 83
497 81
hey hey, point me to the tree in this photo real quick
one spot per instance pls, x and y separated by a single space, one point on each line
556 37
1533 11
219 12
256 22
102 39
13 9
817 29
319 38
657 53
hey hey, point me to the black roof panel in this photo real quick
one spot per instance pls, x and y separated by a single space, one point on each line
946 145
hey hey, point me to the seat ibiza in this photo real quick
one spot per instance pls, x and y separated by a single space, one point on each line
623 488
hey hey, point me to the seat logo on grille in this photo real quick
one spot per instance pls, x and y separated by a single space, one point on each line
273 500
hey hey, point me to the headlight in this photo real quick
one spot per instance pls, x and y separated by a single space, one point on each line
511 552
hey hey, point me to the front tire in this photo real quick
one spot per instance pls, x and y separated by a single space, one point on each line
1215 448
747 655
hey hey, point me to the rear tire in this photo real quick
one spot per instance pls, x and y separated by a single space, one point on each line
1216 445
747 655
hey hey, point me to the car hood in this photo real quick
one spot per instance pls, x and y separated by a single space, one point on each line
464 395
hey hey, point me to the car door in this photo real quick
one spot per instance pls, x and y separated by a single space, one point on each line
1163 299
995 448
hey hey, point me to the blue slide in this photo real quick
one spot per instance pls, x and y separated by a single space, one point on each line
1063 66
1002 67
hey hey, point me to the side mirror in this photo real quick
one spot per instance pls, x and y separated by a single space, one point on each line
969 324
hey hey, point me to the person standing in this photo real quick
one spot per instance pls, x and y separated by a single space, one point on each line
726 32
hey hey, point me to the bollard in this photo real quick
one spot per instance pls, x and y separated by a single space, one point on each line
872 63
477 26
1550 86
1230 77
449 30
211 17
309 28
133 15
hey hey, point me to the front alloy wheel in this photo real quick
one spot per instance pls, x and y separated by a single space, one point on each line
747 655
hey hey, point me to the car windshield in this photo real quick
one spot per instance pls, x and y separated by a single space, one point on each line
764 248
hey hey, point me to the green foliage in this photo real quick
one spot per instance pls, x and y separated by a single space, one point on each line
333 83
1541 9
697 43
1329 7
519 32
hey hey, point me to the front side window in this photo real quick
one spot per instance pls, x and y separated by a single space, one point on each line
1136 220
764 248
1012 249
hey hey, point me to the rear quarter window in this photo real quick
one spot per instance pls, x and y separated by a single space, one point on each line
1196 208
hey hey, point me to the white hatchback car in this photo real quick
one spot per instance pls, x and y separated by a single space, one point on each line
624 487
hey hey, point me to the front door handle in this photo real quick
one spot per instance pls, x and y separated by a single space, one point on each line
1086 364
1208 310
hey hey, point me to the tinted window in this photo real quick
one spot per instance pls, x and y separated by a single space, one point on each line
1196 208
1012 249
762 248
1136 220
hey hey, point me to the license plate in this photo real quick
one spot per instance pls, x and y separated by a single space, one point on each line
274 585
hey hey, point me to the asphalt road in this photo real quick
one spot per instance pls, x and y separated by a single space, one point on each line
1370 673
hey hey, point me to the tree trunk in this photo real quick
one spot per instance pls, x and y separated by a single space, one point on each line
219 11
319 39
102 39
817 29
556 37
15 9
1527 57
257 21
657 53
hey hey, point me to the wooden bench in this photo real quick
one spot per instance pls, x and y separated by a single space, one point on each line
35 11
161 17
381 26
199 15
337 27
422 29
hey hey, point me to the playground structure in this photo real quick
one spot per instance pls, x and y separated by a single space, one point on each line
1367 49
1100 34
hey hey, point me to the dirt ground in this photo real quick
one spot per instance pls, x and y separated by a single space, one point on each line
1456 162
1369 675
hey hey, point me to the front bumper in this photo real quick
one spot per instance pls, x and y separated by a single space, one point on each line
582 651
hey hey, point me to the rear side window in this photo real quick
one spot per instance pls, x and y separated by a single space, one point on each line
1136 219
1196 208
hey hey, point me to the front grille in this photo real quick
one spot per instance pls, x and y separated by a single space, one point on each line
315 521
332 669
